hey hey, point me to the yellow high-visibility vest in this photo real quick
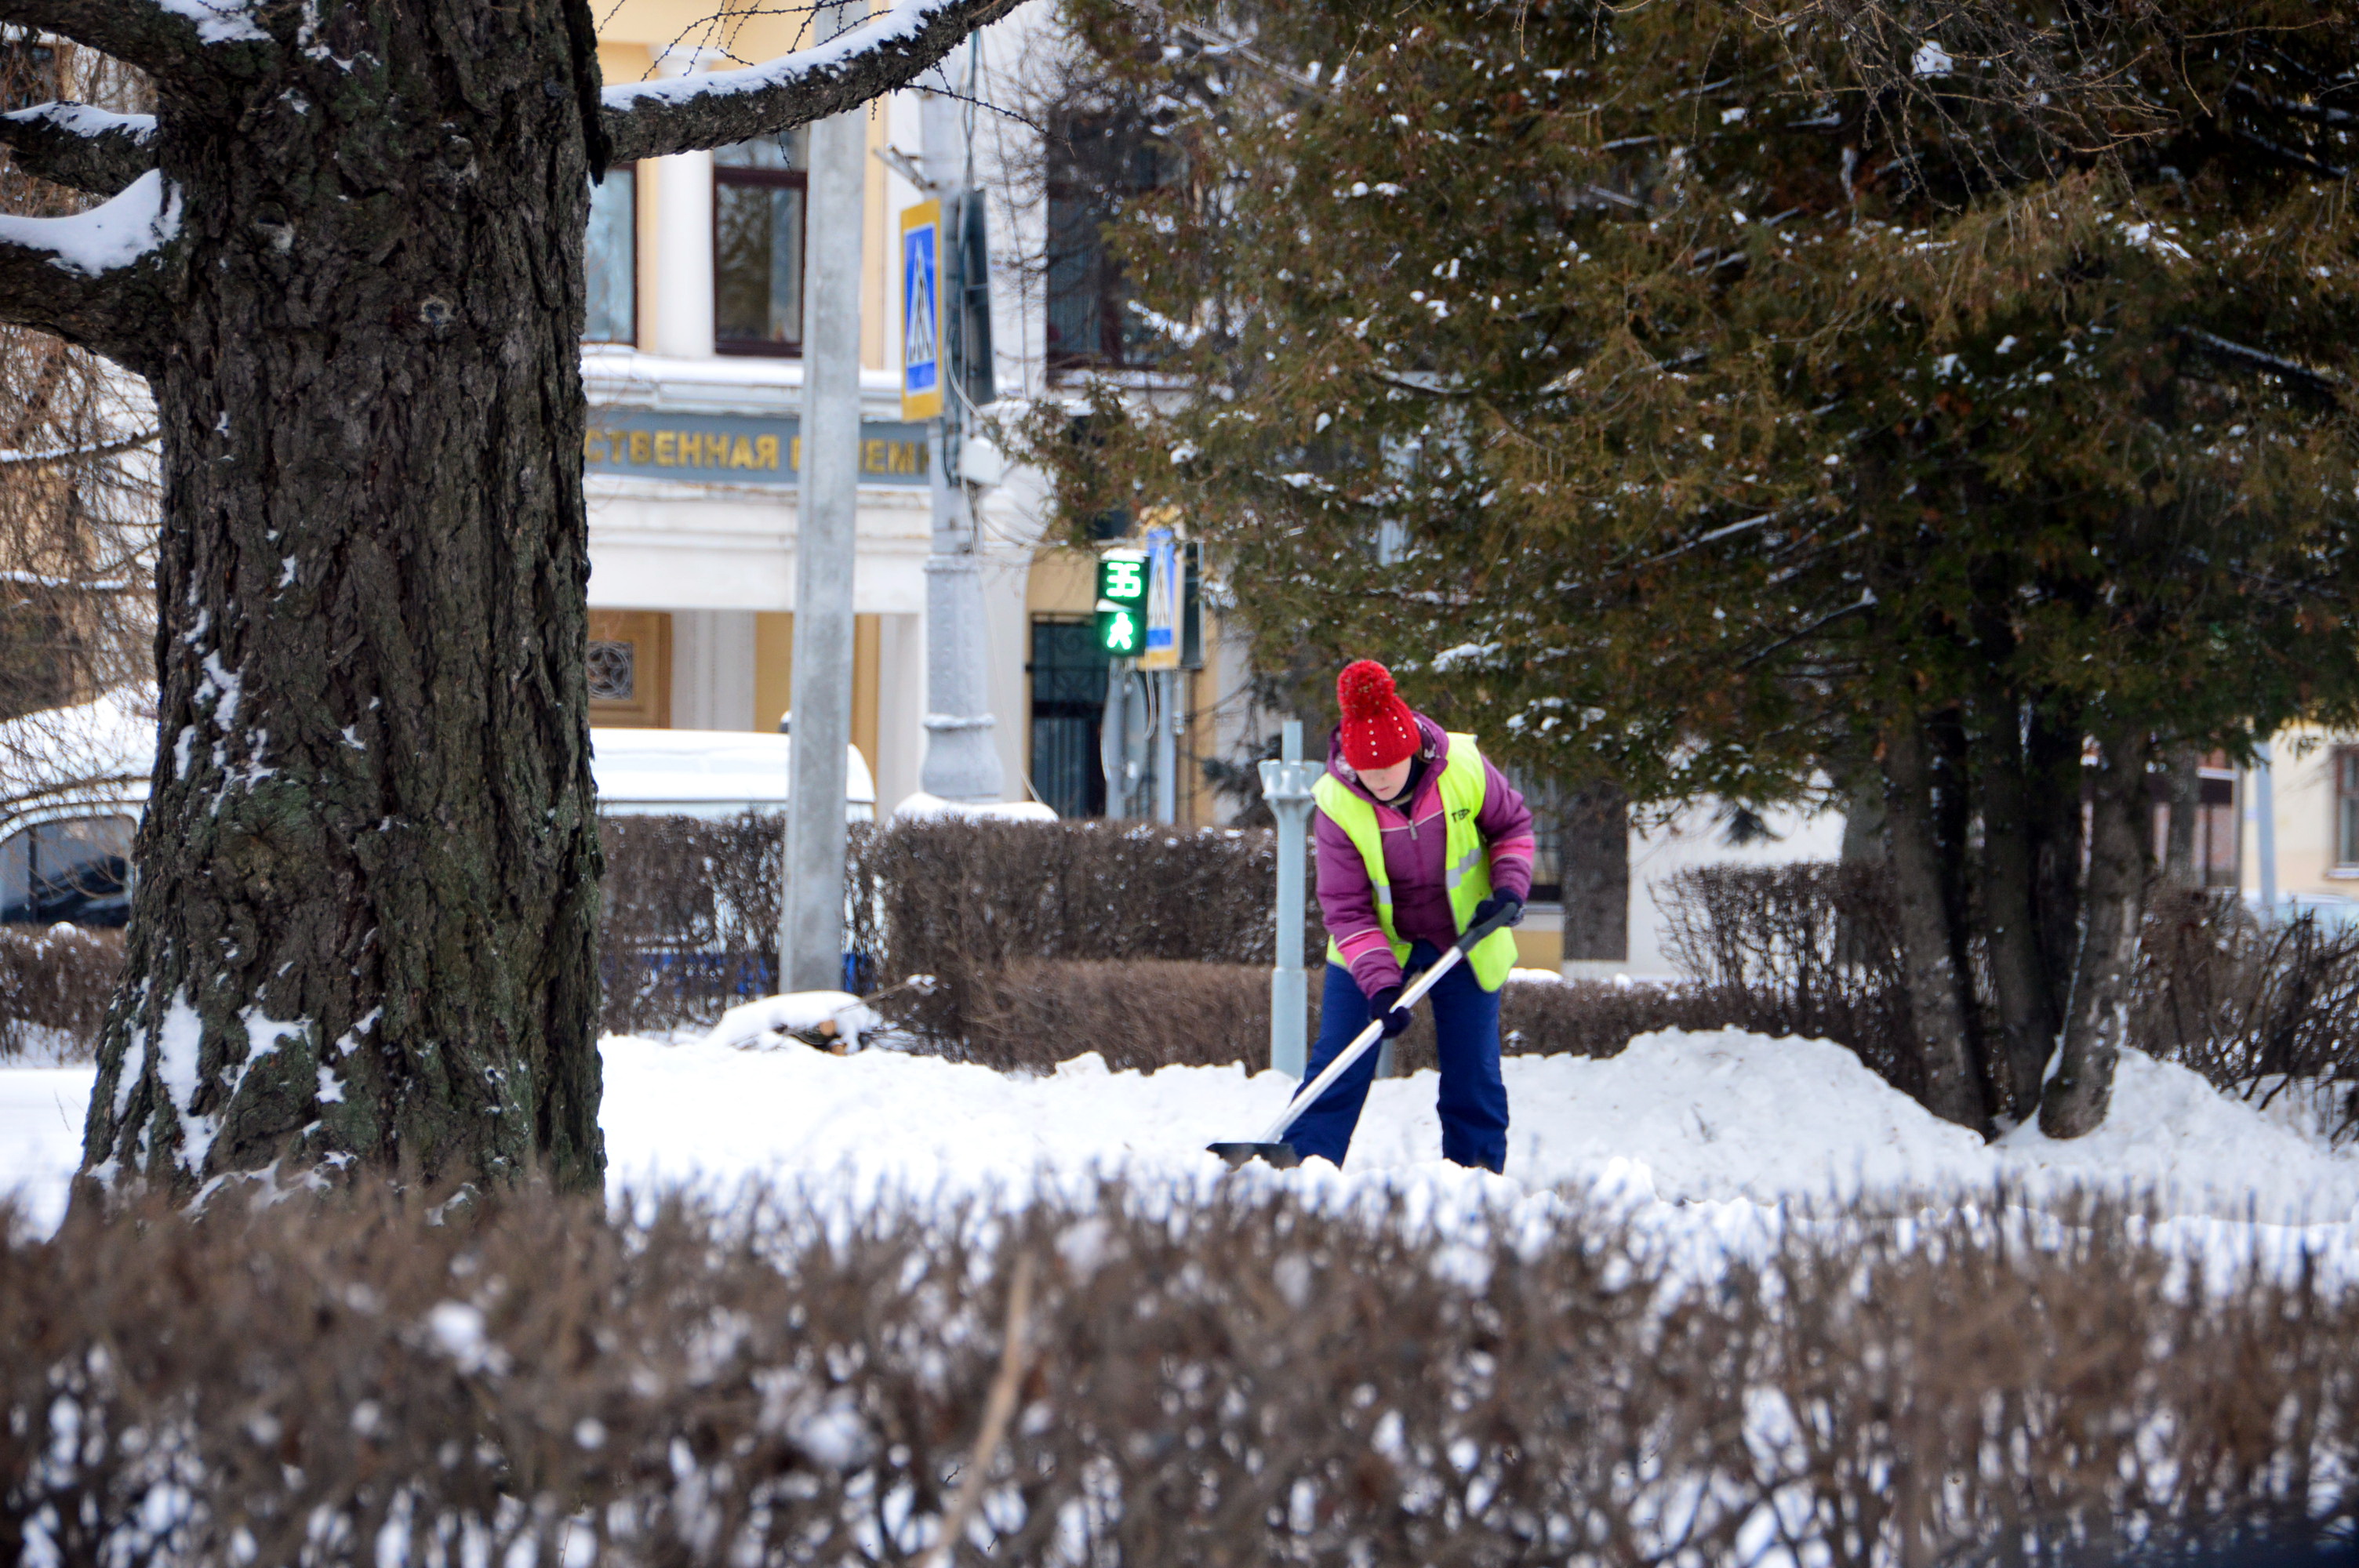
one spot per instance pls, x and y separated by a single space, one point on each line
1466 859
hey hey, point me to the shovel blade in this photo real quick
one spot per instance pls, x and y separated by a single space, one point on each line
1281 1155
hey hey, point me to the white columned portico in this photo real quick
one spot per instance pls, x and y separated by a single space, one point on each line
680 305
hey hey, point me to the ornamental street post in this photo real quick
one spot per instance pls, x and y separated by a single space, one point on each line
1286 786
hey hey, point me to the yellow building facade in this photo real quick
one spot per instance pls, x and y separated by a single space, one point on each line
695 378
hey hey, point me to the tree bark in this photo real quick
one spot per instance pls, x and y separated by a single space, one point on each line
2184 794
1863 824
2056 794
1594 866
1937 984
2019 985
2096 1021
77 145
364 926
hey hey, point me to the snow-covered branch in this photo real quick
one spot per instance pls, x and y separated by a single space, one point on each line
91 277
168 39
2319 382
651 119
75 144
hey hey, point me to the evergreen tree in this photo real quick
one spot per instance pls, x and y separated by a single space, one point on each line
1724 400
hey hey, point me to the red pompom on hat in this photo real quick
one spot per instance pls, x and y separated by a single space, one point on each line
1378 727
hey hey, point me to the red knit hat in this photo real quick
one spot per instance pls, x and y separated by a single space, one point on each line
1378 727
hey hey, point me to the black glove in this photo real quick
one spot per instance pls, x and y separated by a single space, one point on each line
1384 1005
1494 904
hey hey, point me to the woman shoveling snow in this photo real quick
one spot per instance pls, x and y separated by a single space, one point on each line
1420 838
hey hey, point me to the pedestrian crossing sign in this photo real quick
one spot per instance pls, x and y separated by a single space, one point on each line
922 316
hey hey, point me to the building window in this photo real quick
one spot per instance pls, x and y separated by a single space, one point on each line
629 669
1094 167
1069 695
758 192
2219 826
611 253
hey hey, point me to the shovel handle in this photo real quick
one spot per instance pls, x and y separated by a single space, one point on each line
1308 1095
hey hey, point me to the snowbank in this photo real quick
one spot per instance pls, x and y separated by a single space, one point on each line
924 807
770 1023
1719 1121
1678 1117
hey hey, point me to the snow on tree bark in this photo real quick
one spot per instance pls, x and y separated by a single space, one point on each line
2096 1018
364 927
77 145
1938 998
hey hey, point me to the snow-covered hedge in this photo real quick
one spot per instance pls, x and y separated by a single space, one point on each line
1120 1378
965 901
54 983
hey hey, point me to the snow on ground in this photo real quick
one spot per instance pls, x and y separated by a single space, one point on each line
1719 1121
41 1136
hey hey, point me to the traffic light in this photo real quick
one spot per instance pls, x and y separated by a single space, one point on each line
1120 632
1122 602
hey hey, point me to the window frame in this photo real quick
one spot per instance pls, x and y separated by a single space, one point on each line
2346 808
773 179
1107 284
629 171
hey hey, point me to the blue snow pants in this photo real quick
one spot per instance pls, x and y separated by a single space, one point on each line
1474 1101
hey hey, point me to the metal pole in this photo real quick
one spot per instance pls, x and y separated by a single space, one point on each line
810 916
961 760
1286 786
1113 735
2264 812
1167 750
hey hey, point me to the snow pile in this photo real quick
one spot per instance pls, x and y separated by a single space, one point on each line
773 1022
924 807
1678 1117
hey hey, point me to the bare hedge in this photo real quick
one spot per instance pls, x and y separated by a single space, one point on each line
1243 1380
55 984
1808 949
967 901
691 920
1812 949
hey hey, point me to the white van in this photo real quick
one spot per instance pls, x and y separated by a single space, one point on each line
708 772
75 780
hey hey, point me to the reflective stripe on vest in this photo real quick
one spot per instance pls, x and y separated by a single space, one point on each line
1466 859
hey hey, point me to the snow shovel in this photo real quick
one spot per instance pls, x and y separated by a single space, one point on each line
1272 1145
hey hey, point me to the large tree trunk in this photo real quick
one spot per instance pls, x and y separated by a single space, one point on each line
365 928
2020 992
1937 983
2096 1021
1594 862
2055 795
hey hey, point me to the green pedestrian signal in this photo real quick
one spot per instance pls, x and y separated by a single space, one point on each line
1120 632
1122 602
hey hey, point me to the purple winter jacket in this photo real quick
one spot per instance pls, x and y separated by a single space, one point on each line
1414 862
